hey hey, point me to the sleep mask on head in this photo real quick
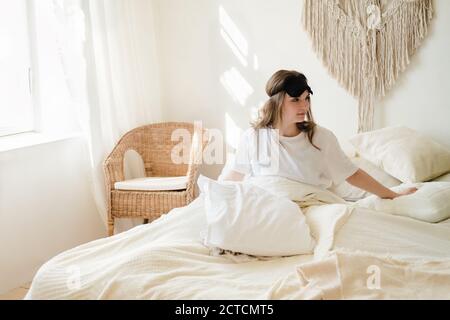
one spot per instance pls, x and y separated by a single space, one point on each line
295 85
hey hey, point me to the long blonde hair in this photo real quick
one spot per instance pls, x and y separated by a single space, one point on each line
271 112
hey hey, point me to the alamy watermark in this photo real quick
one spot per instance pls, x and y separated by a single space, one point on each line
374 280
207 147
73 281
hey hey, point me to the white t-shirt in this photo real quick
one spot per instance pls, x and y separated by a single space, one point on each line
264 152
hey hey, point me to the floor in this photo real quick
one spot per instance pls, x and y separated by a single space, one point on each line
16 294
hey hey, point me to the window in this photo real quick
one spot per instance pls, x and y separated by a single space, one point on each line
16 99
42 68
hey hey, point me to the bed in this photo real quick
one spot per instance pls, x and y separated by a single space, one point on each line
168 260
361 250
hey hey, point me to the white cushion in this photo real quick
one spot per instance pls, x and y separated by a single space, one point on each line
403 153
153 184
244 218
430 203
351 193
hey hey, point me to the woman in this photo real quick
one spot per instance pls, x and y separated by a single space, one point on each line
296 147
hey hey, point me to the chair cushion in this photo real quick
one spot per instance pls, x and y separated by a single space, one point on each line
153 184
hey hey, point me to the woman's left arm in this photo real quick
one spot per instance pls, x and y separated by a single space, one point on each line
363 180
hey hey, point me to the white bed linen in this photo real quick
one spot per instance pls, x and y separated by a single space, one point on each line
166 259
245 218
396 236
161 260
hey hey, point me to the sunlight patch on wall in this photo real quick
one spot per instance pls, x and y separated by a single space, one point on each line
255 62
236 85
233 36
233 132
254 112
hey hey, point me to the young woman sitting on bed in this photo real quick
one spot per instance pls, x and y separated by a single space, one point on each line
307 152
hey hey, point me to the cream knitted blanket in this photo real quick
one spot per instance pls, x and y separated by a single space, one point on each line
362 275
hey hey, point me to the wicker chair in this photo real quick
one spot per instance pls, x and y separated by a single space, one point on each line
153 143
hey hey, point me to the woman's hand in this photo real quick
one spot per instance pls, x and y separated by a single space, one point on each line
363 180
403 193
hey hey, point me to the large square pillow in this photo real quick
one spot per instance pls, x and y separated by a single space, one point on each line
430 203
244 218
351 193
403 153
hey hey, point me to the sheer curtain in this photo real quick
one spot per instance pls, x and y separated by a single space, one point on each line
108 50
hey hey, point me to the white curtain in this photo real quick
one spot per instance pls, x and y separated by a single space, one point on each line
112 74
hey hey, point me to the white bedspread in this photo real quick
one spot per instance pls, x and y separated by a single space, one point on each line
166 259
161 260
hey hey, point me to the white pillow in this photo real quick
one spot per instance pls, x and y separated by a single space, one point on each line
351 193
244 218
403 153
430 203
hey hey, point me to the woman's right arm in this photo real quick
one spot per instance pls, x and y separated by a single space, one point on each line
234 176
363 180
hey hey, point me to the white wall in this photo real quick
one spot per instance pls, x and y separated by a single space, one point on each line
195 57
46 204
46 207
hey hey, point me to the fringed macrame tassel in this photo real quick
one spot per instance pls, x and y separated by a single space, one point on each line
366 61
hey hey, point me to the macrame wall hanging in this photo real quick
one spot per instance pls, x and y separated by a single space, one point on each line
366 44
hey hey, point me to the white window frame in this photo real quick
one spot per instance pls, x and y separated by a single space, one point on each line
34 107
